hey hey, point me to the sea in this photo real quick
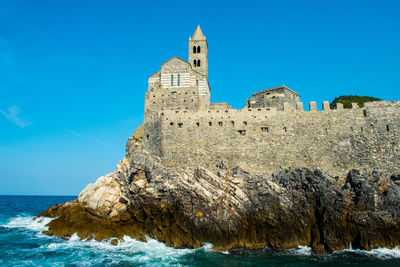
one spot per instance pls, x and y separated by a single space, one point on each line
23 244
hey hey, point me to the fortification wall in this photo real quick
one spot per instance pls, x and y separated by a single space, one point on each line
262 139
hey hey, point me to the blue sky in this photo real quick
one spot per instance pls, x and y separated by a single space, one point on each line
73 74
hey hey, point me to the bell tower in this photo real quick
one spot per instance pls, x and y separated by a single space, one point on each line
198 52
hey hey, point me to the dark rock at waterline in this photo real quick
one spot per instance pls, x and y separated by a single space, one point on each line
234 208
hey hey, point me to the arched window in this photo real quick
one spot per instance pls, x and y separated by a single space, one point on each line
194 49
198 49
194 63
198 63
179 79
172 80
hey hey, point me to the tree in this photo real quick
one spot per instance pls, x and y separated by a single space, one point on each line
346 100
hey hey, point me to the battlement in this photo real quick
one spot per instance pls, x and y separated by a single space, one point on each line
272 131
266 139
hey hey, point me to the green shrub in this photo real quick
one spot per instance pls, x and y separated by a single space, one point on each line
346 100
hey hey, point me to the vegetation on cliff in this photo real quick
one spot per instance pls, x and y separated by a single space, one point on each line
346 100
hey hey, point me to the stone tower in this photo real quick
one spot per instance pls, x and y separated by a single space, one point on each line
198 52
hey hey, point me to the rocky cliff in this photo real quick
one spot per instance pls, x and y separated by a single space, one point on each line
233 208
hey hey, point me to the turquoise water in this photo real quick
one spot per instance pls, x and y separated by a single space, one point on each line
23 244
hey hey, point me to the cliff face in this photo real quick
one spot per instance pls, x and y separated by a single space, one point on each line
233 208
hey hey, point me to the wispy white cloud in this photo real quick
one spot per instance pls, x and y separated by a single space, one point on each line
86 137
12 115
72 132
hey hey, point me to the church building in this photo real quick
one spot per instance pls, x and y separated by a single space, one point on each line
183 85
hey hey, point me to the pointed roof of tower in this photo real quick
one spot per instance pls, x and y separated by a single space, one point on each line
198 34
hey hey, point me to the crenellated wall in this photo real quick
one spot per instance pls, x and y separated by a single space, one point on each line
265 139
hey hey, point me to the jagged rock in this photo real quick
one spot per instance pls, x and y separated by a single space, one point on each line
233 208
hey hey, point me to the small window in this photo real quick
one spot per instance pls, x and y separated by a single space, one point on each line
159 77
197 124
242 132
198 63
198 49
285 129
209 123
220 123
233 123
171 123
172 80
387 128
180 124
264 129
197 83
147 137
179 79
245 123
194 63
194 49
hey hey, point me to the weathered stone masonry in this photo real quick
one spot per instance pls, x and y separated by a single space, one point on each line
272 131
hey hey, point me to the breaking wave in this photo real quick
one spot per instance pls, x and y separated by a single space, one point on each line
21 235
28 222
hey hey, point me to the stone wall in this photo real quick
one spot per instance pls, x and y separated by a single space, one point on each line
220 105
278 97
264 139
177 86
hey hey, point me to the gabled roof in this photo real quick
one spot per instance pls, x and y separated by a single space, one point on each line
198 34
167 62
274 89
174 58
154 74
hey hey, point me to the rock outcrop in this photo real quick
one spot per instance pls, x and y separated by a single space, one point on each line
233 208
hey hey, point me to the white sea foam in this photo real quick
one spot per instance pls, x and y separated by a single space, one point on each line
29 222
302 250
208 247
128 250
151 252
380 253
